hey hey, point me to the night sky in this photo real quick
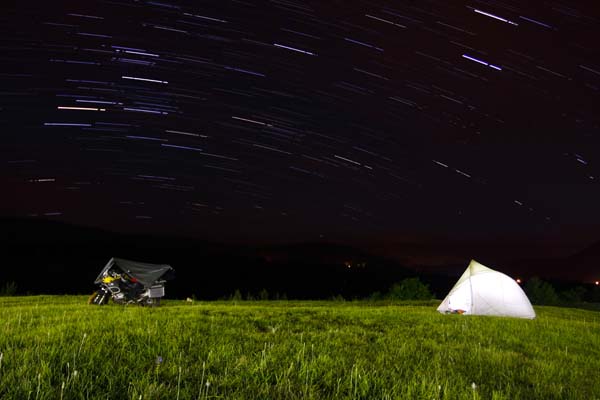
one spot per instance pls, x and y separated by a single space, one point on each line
292 120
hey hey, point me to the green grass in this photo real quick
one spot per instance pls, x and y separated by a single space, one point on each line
61 348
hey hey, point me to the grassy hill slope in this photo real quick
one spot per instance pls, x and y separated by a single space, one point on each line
60 348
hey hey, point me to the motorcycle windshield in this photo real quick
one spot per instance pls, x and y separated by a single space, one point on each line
145 273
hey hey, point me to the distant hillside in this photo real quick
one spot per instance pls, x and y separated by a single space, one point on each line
586 263
53 257
550 260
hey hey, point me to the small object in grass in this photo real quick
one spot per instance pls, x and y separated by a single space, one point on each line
455 312
159 360
473 386
189 300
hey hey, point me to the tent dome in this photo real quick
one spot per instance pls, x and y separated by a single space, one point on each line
483 291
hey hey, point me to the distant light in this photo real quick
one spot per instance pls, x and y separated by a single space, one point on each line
519 281
597 283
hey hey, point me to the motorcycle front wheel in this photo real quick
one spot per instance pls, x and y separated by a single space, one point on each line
99 297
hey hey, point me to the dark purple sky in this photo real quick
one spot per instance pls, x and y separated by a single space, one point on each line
291 120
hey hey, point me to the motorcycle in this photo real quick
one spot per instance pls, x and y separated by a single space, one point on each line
131 282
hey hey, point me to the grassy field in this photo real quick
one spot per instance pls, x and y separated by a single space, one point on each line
61 348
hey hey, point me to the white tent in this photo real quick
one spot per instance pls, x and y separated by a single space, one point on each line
483 291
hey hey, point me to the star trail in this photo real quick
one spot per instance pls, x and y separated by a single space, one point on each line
300 119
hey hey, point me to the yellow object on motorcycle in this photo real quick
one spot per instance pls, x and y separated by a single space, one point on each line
109 279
